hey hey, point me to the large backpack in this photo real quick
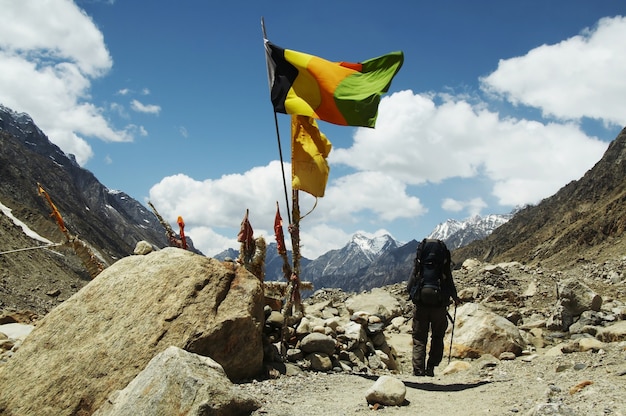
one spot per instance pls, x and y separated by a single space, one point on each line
426 284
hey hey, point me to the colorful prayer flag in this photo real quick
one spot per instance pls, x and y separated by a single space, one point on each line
245 237
181 226
341 93
245 233
309 150
278 231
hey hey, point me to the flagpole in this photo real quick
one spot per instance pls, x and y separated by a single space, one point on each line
293 296
280 150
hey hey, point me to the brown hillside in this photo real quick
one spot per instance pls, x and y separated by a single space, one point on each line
584 221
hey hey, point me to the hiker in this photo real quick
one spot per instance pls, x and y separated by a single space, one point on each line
430 287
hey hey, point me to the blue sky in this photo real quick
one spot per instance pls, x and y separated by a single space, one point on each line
498 104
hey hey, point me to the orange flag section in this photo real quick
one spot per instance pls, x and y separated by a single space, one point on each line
181 226
309 150
55 212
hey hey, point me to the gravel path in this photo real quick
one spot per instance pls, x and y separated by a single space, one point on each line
544 385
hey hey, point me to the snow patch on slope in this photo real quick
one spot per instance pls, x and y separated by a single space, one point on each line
32 234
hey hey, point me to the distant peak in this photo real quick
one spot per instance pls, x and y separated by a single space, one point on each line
372 246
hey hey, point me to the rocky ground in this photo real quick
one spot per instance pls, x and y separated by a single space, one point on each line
573 384
539 382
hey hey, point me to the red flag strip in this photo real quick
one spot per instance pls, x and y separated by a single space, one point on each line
278 231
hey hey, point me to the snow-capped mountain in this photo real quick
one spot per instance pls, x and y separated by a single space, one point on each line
372 248
364 263
335 267
460 233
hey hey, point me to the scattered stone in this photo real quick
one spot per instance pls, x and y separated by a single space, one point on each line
142 248
613 333
387 390
456 367
481 331
54 293
320 361
316 342
178 382
507 355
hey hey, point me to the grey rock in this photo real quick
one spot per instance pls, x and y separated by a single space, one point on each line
178 382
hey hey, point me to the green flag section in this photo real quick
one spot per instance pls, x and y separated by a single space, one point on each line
341 93
309 150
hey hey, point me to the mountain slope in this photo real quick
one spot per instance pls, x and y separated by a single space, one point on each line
110 222
583 221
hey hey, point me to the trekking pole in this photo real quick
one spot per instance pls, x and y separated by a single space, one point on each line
452 334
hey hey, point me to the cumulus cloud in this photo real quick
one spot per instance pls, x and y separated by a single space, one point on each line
474 205
54 49
221 203
417 140
582 76
144 108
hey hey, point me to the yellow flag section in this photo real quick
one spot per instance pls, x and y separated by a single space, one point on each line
309 150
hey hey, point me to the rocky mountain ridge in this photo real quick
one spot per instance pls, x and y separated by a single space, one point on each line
583 222
460 233
110 222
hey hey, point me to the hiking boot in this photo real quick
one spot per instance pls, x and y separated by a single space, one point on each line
430 372
418 372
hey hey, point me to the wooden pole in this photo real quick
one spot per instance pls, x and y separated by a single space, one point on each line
293 299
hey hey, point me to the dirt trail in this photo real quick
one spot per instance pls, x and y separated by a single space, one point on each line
541 386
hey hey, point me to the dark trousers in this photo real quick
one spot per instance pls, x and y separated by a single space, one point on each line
425 319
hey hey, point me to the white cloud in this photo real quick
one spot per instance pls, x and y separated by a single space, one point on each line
450 204
582 76
221 204
56 30
145 108
474 205
368 192
418 141
208 241
55 49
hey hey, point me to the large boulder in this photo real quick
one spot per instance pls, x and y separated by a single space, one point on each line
479 331
176 382
574 298
577 297
102 337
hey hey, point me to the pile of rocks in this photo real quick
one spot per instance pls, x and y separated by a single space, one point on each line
510 310
338 333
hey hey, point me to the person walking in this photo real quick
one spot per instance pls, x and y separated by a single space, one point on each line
431 288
